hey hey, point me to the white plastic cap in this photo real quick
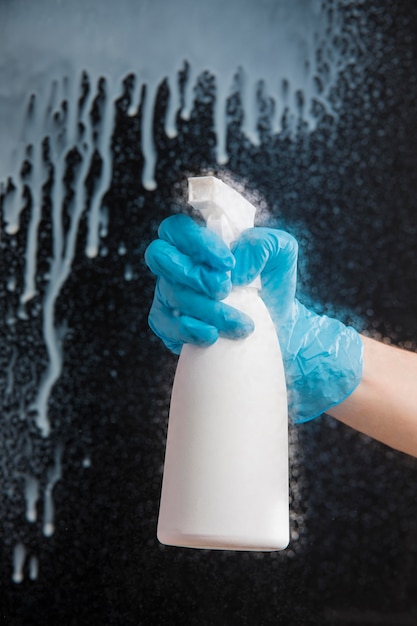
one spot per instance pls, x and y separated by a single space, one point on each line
225 211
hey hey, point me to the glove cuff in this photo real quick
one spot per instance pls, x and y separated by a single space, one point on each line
325 366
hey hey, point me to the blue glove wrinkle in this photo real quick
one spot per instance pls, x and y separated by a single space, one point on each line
214 283
250 258
167 324
260 249
181 300
327 367
164 325
197 242
231 322
164 260
322 358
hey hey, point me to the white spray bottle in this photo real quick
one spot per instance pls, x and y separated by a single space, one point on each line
225 482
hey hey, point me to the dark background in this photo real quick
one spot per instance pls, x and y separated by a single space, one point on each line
347 192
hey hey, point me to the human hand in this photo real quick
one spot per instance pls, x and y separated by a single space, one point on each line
192 266
322 357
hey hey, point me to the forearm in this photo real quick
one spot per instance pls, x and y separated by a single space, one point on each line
384 405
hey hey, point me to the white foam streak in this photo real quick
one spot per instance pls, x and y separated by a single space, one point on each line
148 144
220 120
19 556
63 255
29 290
189 92
251 109
54 475
272 41
135 97
174 105
33 568
31 496
242 43
95 217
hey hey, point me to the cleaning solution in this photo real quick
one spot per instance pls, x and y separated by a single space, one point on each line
225 482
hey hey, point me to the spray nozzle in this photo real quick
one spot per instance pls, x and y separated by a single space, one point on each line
225 211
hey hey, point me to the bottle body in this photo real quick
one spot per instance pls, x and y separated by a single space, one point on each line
225 483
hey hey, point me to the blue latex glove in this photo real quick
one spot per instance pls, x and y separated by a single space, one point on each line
193 269
322 357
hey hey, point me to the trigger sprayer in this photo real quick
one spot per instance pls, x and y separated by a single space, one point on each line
225 480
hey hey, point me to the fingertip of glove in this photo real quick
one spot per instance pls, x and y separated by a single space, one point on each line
173 222
197 332
245 329
238 325
149 254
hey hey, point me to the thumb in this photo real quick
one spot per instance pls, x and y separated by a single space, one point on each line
273 254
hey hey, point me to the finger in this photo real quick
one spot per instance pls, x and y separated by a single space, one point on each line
197 332
273 254
166 261
266 251
200 243
183 301
175 330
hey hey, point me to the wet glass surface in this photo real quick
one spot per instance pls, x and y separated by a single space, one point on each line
85 385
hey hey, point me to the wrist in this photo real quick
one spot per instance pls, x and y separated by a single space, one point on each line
383 404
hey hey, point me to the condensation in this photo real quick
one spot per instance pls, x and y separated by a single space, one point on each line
62 66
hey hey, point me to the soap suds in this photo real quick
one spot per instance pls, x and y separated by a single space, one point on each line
57 117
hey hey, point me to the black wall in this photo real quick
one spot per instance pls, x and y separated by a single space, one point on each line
347 191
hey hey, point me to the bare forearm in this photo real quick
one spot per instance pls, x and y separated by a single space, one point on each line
384 405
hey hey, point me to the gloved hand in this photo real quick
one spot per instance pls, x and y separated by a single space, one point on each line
193 269
322 357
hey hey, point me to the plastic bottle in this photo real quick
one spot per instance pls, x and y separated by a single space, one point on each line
225 482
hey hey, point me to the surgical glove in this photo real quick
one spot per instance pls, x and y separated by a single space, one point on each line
323 358
192 266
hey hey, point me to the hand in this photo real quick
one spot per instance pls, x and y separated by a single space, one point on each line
192 266
322 357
